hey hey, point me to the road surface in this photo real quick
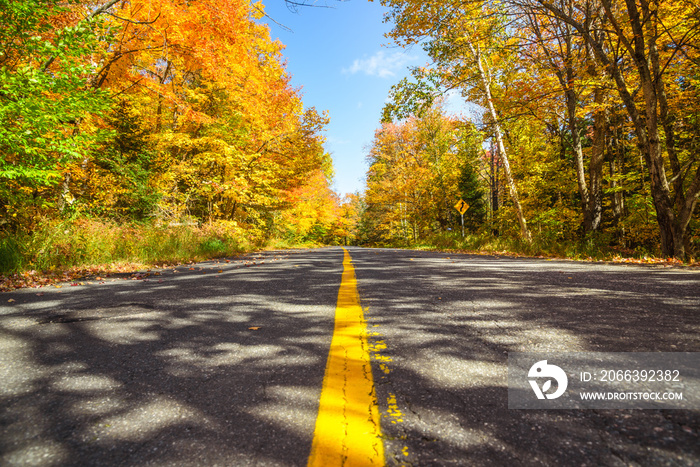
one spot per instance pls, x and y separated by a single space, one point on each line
223 363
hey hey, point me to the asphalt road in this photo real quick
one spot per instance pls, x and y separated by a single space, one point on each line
222 363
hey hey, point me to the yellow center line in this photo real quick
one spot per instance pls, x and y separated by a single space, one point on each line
347 429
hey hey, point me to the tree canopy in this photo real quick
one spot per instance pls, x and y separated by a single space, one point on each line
161 109
592 108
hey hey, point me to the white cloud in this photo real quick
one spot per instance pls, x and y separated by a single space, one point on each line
337 141
380 64
458 106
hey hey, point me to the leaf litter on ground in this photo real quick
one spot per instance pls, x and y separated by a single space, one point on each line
95 274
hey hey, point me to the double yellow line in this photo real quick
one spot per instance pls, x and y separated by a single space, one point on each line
347 429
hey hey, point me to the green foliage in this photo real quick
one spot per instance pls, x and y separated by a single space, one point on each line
472 191
412 98
11 254
129 159
44 99
41 104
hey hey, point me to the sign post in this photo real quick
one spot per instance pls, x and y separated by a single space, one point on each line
462 207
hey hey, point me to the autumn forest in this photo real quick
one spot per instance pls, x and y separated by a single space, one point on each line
589 125
159 130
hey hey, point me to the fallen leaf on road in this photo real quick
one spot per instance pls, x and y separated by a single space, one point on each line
11 300
254 328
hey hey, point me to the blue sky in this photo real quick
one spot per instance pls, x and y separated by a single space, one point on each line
336 55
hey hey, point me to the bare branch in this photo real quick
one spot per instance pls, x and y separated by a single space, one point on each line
132 21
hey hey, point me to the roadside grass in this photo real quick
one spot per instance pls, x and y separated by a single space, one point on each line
69 248
286 244
592 249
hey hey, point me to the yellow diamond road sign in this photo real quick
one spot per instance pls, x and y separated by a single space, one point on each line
461 206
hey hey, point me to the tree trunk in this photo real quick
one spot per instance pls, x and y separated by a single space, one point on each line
561 61
571 103
524 231
159 109
618 205
641 46
595 166
494 182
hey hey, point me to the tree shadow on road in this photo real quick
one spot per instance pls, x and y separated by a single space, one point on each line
449 321
221 364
